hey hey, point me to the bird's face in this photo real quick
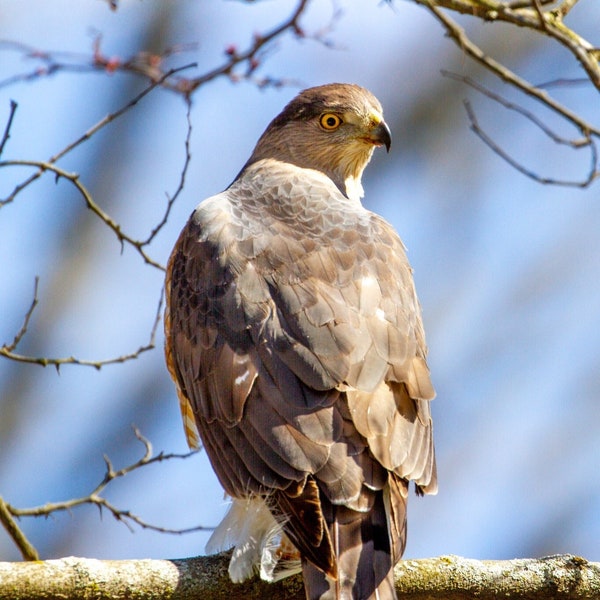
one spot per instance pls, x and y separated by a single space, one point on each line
342 139
352 129
332 128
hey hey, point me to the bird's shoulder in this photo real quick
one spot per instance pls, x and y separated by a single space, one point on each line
273 204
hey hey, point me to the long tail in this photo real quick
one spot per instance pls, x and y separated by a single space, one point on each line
366 545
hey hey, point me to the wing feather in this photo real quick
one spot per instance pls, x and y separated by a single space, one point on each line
299 348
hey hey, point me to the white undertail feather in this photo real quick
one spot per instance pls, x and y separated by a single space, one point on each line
258 542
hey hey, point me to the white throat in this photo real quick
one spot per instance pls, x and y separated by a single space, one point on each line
354 188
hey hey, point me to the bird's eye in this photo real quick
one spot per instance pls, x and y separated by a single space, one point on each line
330 121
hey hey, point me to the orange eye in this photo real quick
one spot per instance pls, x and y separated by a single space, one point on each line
330 121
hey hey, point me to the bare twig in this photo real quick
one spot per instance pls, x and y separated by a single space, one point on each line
23 329
8 350
96 498
458 34
251 57
574 143
15 532
89 201
115 115
562 82
541 16
146 64
6 134
188 157
577 144
527 15
592 174
86 136
150 65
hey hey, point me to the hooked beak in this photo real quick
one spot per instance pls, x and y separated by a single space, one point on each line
381 135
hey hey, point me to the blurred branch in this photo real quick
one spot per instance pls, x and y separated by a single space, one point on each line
562 577
539 16
239 64
459 35
188 157
576 144
151 66
8 350
87 197
251 57
535 16
6 134
14 531
592 173
49 165
8 512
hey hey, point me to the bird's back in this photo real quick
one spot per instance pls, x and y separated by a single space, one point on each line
294 335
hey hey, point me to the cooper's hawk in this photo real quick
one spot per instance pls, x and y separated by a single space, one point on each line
294 336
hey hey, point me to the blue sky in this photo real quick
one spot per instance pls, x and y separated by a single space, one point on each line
507 271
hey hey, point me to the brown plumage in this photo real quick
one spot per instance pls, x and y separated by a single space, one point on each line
294 337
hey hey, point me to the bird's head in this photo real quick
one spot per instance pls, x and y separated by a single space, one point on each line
332 128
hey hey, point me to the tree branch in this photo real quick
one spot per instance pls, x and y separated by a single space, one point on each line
73 178
6 134
575 144
458 34
238 65
95 497
8 350
15 532
563 577
171 199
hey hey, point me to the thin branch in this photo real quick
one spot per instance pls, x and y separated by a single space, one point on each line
576 144
562 82
526 15
96 498
115 115
150 65
592 174
458 34
147 64
6 134
250 57
14 531
23 329
87 197
7 350
88 134
188 157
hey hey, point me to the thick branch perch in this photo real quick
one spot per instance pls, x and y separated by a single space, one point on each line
563 577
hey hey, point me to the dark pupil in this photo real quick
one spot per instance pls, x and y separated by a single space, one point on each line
331 121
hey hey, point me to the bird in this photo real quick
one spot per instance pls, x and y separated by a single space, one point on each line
294 336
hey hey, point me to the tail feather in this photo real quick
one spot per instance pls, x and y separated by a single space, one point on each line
365 550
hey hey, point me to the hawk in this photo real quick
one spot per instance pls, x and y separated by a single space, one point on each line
295 340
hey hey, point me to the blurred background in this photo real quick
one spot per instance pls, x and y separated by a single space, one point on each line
507 270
